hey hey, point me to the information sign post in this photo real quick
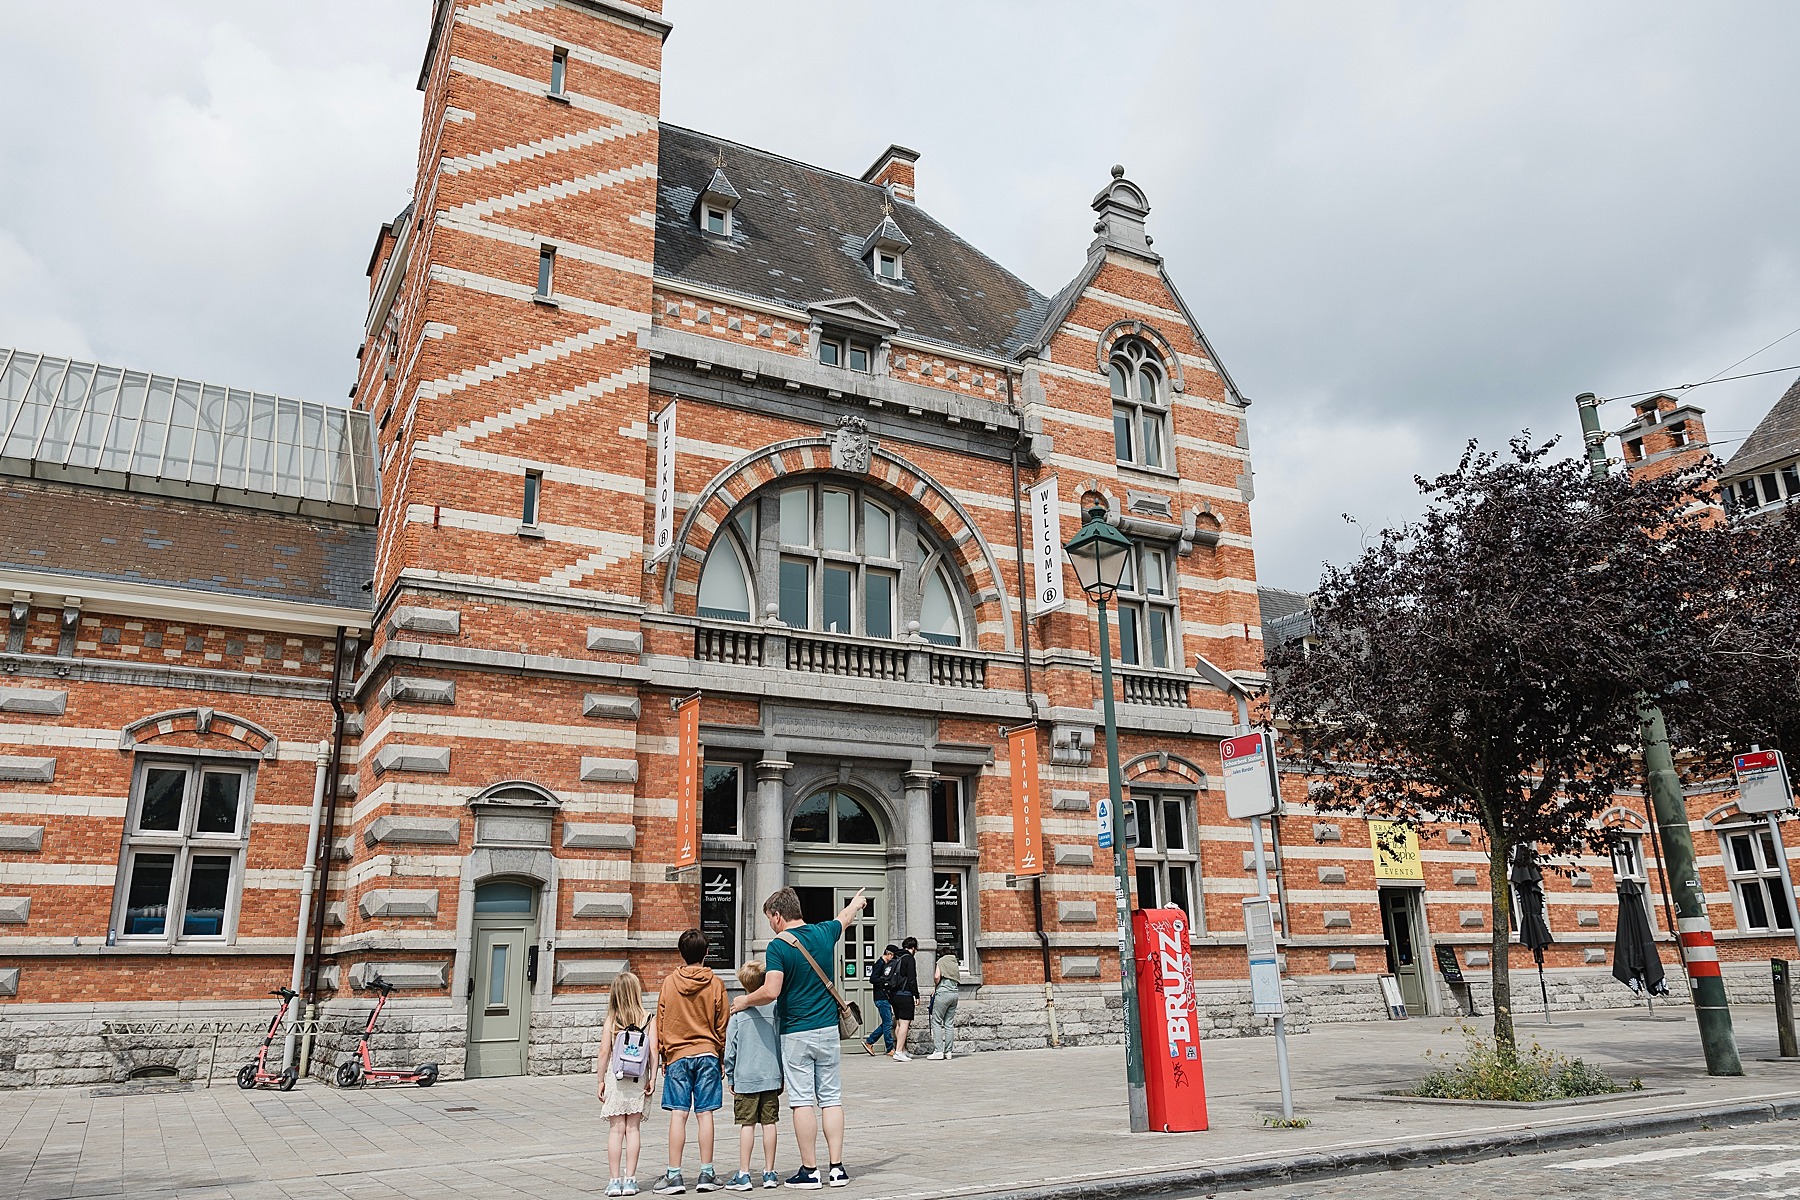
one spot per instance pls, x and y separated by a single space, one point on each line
1248 763
1763 787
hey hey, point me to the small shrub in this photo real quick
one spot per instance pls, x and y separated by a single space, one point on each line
1486 1071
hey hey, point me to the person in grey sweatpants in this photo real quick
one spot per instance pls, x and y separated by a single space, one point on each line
943 1005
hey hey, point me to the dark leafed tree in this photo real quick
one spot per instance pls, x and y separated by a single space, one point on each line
1484 664
1751 635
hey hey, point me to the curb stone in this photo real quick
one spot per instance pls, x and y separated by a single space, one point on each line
1315 1165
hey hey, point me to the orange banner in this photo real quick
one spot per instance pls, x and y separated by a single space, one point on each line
1028 839
687 790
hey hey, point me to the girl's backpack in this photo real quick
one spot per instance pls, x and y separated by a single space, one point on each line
630 1054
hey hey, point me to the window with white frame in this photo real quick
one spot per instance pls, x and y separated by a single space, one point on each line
1628 858
722 799
559 72
847 352
183 866
887 264
716 218
1168 852
1149 635
1140 405
947 822
1756 890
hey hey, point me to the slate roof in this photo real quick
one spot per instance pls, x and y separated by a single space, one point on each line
1775 438
1286 615
71 529
798 234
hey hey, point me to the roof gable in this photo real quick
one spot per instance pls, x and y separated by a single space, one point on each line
1776 436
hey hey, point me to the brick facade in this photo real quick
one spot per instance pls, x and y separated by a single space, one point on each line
507 682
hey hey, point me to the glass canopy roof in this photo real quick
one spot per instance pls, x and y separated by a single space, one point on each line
84 423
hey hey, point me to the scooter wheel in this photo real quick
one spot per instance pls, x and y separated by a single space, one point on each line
246 1076
349 1074
428 1075
289 1078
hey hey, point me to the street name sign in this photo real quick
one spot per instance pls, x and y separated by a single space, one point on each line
1762 781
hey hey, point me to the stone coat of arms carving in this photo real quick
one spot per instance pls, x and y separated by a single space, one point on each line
851 446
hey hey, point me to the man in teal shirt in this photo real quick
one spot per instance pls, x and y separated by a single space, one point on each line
806 1012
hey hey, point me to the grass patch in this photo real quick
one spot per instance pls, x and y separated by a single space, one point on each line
1485 1071
1286 1122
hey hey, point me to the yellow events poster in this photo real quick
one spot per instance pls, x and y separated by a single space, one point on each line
1396 852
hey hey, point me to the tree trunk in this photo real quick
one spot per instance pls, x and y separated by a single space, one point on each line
1500 891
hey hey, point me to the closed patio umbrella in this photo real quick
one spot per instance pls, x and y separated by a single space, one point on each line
1636 963
1534 932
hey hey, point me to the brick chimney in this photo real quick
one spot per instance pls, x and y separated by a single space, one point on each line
894 171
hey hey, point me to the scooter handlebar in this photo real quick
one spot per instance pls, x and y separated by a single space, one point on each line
284 993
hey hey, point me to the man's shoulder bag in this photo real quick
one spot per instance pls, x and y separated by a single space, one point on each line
849 1014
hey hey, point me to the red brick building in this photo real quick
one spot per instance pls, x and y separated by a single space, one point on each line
446 627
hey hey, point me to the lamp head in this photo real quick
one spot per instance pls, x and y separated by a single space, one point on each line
1100 554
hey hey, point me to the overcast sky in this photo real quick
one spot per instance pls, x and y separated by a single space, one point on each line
1402 225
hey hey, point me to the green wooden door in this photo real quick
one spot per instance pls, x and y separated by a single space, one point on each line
499 995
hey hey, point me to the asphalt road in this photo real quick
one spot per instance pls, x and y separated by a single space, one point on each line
1752 1162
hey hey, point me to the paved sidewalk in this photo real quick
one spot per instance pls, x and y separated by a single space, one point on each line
991 1123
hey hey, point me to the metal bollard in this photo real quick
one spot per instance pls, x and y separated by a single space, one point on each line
1784 1008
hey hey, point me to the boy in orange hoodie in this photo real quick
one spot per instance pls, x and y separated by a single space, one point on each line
691 1014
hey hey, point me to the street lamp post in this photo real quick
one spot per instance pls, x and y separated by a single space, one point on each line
1100 553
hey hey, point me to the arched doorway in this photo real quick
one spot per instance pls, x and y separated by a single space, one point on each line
499 977
837 844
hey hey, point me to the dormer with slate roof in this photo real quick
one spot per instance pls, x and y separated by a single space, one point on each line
716 205
883 251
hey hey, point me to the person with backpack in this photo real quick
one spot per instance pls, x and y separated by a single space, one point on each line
813 1019
903 992
627 1069
881 975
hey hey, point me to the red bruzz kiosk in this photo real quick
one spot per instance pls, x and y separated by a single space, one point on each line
1174 1083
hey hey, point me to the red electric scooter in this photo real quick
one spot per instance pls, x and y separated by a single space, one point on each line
362 1068
258 1073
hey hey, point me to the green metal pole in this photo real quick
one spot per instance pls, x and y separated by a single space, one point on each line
1136 1097
1669 802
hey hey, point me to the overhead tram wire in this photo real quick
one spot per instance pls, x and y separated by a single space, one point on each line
1685 387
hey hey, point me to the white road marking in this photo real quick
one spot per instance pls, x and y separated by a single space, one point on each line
1648 1156
1774 1170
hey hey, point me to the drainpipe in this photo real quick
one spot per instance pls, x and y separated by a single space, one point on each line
1037 881
322 852
307 879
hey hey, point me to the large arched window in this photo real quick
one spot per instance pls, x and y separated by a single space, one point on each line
1140 405
835 557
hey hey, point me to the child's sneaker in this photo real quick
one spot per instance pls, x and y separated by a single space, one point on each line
837 1176
741 1182
631 1187
615 1187
771 1179
707 1182
806 1178
935 1056
670 1184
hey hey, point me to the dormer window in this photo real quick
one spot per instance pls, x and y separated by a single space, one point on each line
845 352
883 249
717 201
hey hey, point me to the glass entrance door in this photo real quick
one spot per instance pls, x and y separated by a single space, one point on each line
860 946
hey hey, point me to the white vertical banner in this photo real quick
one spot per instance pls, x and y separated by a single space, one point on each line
1046 549
665 483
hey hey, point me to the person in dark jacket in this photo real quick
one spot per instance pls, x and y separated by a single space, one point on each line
903 990
879 978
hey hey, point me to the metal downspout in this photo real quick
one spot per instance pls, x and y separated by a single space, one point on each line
327 839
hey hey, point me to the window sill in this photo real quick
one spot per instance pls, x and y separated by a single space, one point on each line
559 97
1152 472
546 301
532 532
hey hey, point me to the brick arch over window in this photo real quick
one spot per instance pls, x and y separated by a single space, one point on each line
1161 762
902 481
1620 817
200 721
1110 336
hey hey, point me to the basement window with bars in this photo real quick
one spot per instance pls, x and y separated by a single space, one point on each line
181 875
1757 894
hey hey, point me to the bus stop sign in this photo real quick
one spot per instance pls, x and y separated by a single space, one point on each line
1762 781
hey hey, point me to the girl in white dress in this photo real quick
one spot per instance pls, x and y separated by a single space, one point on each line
621 1096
